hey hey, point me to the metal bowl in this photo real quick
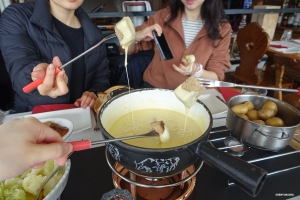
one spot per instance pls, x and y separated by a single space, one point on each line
263 136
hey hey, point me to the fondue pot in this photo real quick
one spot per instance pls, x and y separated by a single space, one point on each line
262 136
169 161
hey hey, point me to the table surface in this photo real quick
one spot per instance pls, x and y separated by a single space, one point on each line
91 176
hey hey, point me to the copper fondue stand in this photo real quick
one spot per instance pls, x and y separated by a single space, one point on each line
178 186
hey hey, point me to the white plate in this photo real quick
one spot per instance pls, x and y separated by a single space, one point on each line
297 41
81 118
62 122
216 107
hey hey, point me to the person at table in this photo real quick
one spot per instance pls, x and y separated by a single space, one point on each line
36 34
191 27
27 143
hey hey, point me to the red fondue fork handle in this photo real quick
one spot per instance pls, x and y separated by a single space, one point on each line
81 145
38 82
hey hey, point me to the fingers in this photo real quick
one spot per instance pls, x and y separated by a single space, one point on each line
87 99
157 28
56 62
146 33
61 161
39 71
184 61
77 102
181 69
54 85
39 165
61 84
47 84
38 74
53 151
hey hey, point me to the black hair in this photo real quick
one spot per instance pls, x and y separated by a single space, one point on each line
212 12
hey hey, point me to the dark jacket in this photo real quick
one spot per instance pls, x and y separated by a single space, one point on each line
28 37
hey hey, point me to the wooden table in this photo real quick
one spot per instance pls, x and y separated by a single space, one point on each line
289 66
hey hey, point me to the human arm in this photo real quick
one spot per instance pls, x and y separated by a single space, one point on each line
194 69
21 49
215 64
27 143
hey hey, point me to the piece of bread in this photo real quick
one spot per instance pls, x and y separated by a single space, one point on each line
125 31
191 84
101 99
190 59
118 34
158 126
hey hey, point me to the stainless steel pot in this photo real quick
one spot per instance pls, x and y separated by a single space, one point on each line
263 136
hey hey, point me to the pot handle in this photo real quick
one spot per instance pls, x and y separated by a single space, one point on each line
247 176
284 135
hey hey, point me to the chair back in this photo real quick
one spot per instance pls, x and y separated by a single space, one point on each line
253 42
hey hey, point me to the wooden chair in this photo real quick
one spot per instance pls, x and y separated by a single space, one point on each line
253 43
291 67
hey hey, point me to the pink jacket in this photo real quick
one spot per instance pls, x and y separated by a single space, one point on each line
161 74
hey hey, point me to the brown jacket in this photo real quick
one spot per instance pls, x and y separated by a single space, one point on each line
161 74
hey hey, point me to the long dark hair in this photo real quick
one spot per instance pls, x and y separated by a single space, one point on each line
211 11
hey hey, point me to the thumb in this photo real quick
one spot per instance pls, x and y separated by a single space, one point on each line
56 61
53 151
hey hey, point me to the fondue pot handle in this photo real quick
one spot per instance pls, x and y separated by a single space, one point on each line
247 176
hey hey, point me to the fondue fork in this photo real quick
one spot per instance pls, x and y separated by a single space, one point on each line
38 82
87 144
49 177
215 83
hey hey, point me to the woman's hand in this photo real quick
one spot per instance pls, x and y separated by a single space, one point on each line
185 68
28 143
87 99
53 85
146 33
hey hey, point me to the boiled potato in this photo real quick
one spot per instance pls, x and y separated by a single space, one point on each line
266 113
240 109
250 105
275 121
271 105
259 121
252 115
244 116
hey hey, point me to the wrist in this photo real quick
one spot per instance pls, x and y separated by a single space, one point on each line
199 70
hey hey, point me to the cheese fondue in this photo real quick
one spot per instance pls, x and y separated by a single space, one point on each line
123 126
126 34
188 93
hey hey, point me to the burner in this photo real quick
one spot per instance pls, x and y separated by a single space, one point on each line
179 192
236 148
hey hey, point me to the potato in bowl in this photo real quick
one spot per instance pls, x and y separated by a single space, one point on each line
270 131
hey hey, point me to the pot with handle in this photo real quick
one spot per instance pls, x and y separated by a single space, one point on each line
262 136
169 161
